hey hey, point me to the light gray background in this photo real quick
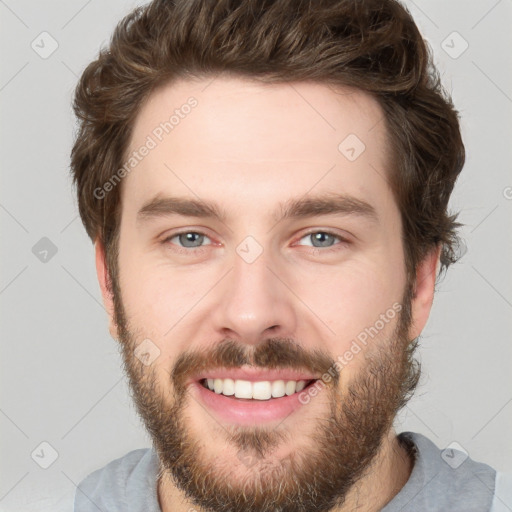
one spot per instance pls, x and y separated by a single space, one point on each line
61 378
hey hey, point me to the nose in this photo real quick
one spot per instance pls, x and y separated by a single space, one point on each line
253 303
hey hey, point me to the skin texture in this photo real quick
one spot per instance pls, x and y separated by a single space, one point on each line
251 147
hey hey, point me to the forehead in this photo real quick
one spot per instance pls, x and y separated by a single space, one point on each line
240 139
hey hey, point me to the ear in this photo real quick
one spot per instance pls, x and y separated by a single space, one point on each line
104 279
424 287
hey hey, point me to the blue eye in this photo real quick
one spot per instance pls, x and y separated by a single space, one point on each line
321 239
194 241
188 239
324 240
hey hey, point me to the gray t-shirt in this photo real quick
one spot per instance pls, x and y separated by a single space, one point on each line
445 480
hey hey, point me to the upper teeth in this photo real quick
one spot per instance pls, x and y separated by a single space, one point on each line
261 390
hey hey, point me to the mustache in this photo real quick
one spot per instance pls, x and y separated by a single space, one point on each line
273 353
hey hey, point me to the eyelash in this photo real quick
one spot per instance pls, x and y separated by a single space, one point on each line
187 250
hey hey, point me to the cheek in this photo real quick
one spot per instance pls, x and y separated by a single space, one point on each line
159 298
359 301
154 305
351 297
347 297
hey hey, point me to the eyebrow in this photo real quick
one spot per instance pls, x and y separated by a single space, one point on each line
327 204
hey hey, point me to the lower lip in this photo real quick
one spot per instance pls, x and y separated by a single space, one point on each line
248 412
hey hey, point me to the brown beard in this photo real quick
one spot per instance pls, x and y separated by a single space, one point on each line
315 478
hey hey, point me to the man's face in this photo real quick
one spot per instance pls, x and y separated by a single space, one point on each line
260 302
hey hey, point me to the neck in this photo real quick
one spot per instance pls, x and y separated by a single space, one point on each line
383 480
387 474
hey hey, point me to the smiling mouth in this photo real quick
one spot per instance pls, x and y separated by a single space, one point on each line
255 390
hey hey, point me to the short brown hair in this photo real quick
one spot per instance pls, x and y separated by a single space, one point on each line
372 45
